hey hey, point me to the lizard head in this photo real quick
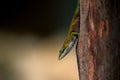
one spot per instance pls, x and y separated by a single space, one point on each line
66 48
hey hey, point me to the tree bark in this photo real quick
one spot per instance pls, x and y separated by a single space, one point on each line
98 50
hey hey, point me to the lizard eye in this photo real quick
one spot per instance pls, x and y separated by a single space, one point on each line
62 50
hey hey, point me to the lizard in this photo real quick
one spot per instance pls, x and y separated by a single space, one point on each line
72 36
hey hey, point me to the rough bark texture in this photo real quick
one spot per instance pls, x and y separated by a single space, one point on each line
99 44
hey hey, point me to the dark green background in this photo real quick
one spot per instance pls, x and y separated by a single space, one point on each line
42 17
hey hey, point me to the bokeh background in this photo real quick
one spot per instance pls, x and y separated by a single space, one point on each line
31 35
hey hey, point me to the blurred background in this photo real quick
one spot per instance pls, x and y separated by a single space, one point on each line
31 35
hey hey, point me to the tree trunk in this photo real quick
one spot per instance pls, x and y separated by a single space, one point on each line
98 50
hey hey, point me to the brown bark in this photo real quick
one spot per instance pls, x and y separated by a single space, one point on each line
98 46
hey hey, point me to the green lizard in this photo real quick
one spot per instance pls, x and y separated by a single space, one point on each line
72 34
